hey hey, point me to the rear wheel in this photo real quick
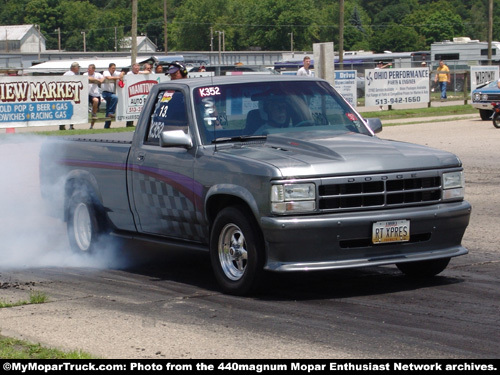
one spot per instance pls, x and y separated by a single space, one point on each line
84 225
236 251
425 268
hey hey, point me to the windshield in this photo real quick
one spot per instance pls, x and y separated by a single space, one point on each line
235 111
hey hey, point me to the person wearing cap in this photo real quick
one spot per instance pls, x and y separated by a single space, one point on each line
176 70
74 70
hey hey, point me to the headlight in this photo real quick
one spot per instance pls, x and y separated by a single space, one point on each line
453 185
484 97
477 97
293 198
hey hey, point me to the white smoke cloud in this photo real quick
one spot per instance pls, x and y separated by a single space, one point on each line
29 238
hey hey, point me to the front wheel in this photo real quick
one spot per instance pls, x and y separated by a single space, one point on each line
83 226
236 251
496 120
485 114
424 268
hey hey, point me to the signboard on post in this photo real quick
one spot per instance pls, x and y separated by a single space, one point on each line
396 86
132 97
43 101
482 74
345 84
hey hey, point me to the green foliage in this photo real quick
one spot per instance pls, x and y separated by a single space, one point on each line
18 349
397 25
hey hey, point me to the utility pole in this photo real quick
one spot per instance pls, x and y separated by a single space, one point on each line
165 33
219 32
59 38
134 31
291 43
211 39
490 29
39 41
84 42
116 40
341 34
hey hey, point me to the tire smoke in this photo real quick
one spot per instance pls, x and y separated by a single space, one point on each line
30 238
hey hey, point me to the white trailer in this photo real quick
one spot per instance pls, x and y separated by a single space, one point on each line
467 51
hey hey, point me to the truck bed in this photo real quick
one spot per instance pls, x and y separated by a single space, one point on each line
125 137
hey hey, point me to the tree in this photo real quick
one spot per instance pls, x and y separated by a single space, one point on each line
397 38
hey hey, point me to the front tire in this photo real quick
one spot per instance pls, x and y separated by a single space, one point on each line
83 227
485 114
496 120
423 269
236 251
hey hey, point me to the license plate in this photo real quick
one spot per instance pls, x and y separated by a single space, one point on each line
391 231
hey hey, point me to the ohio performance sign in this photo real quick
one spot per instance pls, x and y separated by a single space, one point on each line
396 86
42 101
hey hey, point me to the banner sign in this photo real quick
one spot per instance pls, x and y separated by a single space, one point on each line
397 86
482 74
345 84
43 101
132 97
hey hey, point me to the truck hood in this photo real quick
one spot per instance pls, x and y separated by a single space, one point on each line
326 153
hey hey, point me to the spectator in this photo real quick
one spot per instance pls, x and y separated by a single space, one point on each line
95 79
304 71
176 70
108 91
74 70
147 68
159 69
443 77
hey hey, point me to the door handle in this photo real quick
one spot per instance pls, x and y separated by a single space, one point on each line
141 156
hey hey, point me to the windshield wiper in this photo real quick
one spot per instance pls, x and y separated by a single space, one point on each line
239 138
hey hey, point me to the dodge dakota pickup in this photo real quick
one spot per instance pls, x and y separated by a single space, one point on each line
266 173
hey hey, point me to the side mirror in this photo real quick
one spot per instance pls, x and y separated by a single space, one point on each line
175 138
374 124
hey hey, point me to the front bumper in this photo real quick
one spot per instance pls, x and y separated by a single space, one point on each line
483 105
334 241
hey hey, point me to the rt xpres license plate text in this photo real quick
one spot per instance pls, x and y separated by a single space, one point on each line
391 231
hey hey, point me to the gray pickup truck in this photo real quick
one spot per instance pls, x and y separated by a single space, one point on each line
275 173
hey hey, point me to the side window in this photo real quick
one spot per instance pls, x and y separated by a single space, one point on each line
169 114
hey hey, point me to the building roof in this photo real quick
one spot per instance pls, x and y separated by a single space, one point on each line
126 42
14 32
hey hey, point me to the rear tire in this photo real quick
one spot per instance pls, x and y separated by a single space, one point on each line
423 269
84 226
236 251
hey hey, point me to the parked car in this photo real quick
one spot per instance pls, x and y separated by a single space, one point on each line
483 96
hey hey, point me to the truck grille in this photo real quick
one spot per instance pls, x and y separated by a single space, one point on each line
363 192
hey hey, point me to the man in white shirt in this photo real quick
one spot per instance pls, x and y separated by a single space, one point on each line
74 70
111 77
304 71
95 79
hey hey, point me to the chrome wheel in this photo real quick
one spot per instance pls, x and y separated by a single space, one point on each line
232 249
82 227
